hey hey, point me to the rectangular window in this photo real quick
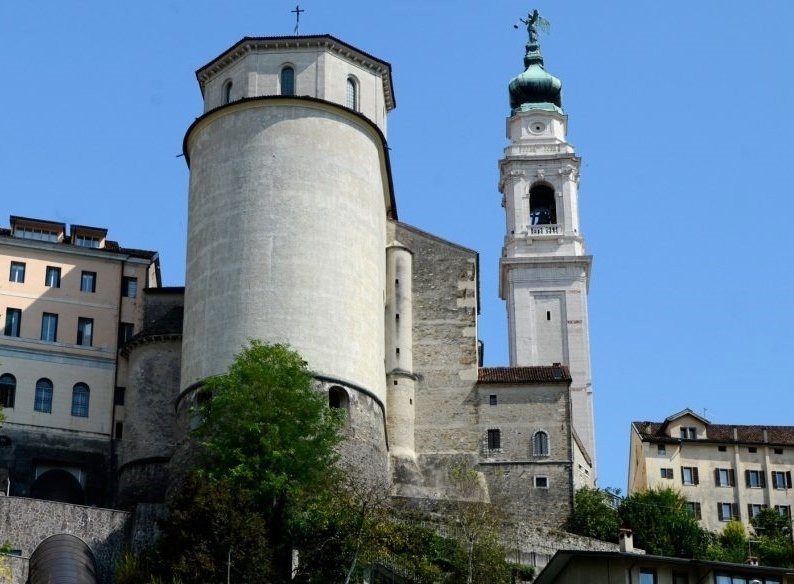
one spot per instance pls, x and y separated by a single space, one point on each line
722 448
661 449
753 509
752 450
17 272
727 511
88 282
680 578
648 576
688 433
781 479
118 396
541 482
86 241
126 330
119 430
494 439
492 399
689 475
755 479
49 327
52 278
85 331
13 322
724 477
694 508
667 473
778 451
129 287
35 233
784 510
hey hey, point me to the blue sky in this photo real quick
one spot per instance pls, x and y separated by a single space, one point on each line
681 112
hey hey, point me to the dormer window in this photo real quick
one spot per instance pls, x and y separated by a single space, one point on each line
288 81
36 233
352 94
542 206
87 241
688 433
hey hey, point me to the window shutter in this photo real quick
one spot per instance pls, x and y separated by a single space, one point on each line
747 477
682 475
697 510
732 477
717 477
788 479
762 476
719 511
695 475
735 508
749 511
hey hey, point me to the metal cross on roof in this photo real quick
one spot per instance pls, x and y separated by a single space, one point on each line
297 12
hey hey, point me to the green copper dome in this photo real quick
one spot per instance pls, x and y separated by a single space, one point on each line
535 88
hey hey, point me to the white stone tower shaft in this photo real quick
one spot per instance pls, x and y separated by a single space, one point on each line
544 269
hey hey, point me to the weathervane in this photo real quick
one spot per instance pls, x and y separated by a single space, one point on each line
533 21
297 12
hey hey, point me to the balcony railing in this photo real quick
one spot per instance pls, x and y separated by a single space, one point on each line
544 229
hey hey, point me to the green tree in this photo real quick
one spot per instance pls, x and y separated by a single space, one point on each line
730 545
268 433
214 527
662 525
774 546
593 515
476 526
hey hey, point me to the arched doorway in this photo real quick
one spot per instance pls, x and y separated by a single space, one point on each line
58 485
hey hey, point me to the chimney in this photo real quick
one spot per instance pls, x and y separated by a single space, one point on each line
626 539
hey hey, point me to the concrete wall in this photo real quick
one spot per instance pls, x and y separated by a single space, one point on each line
28 452
286 237
103 530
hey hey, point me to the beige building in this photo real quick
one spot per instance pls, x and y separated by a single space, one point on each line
724 471
67 299
596 567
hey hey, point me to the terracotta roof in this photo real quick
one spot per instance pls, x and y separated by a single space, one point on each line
784 435
536 374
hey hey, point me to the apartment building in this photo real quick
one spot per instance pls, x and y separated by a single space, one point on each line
68 299
725 471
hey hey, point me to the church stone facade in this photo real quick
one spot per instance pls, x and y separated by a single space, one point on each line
294 237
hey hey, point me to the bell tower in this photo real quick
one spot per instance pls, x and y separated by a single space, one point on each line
544 268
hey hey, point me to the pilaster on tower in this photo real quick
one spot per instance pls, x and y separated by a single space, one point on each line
545 269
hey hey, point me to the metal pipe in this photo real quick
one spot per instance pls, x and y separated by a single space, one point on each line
62 559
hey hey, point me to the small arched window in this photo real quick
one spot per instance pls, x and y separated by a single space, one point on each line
43 399
352 94
8 390
288 81
227 92
338 398
540 444
542 206
80 395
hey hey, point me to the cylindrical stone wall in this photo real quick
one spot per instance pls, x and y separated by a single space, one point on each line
149 420
286 236
399 350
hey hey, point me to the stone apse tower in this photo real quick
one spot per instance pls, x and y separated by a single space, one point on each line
544 269
290 192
